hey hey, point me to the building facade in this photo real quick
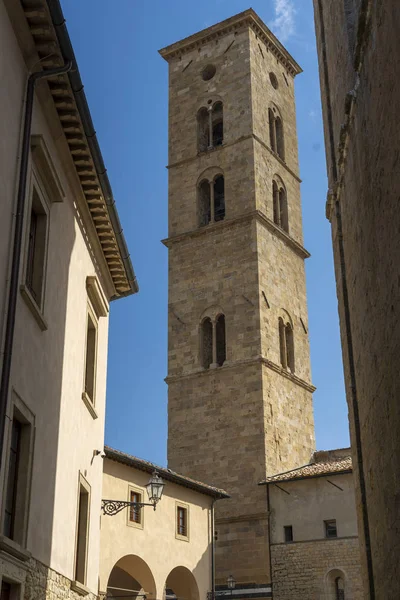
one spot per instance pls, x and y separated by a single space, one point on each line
166 553
313 530
73 262
239 381
359 61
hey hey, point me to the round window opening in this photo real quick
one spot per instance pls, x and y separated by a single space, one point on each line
209 72
273 80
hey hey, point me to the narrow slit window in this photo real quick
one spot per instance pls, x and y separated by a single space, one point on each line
289 347
280 147
221 341
272 138
207 343
10 511
204 203
219 198
82 535
203 130
90 363
283 210
135 513
35 262
282 343
288 533
181 521
217 124
276 206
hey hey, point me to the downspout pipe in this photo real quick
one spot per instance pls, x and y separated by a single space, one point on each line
17 245
213 550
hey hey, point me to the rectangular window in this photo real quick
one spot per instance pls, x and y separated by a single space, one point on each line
288 532
181 521
36 255
12 479
135 513
82 531
330 529
90 358
5 590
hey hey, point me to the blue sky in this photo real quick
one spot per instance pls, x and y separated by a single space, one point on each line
116 44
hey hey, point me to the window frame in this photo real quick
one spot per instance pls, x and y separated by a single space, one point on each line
16 545
185 507
327 523
37 193
89 401
77 585
287 529
134 489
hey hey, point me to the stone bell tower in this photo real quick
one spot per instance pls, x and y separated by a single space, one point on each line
239 391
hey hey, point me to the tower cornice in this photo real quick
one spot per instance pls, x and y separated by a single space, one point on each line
247 18
254 214
244 363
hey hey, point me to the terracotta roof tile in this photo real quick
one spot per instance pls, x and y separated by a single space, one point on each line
167 474
316 469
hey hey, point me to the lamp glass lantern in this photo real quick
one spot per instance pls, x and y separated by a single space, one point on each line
231 582
155 488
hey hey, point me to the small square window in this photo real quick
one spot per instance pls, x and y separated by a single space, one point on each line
181 521
330 528
135 512
288 533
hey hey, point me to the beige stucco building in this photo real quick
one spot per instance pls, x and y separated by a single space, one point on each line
73 262
157 553
239 379
313 530
359 63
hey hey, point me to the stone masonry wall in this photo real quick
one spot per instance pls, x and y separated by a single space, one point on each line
232 425
307 569
359 61
39 582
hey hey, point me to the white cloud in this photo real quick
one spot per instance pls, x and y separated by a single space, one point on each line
283 25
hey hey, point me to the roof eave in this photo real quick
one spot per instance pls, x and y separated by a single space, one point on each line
301 478
137 463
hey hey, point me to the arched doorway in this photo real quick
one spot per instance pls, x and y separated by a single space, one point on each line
131 578
181 585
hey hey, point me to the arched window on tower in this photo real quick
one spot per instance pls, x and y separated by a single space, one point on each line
339 589
203 130
289 347
280 207
213 339
219 198
276 140
211 199
286 345
272 138
220 340
217 124
282 343
206 342
210 127
280 146
204 196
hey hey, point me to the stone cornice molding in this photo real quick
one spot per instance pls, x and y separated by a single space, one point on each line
248 18
226 223
243 363
243 138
